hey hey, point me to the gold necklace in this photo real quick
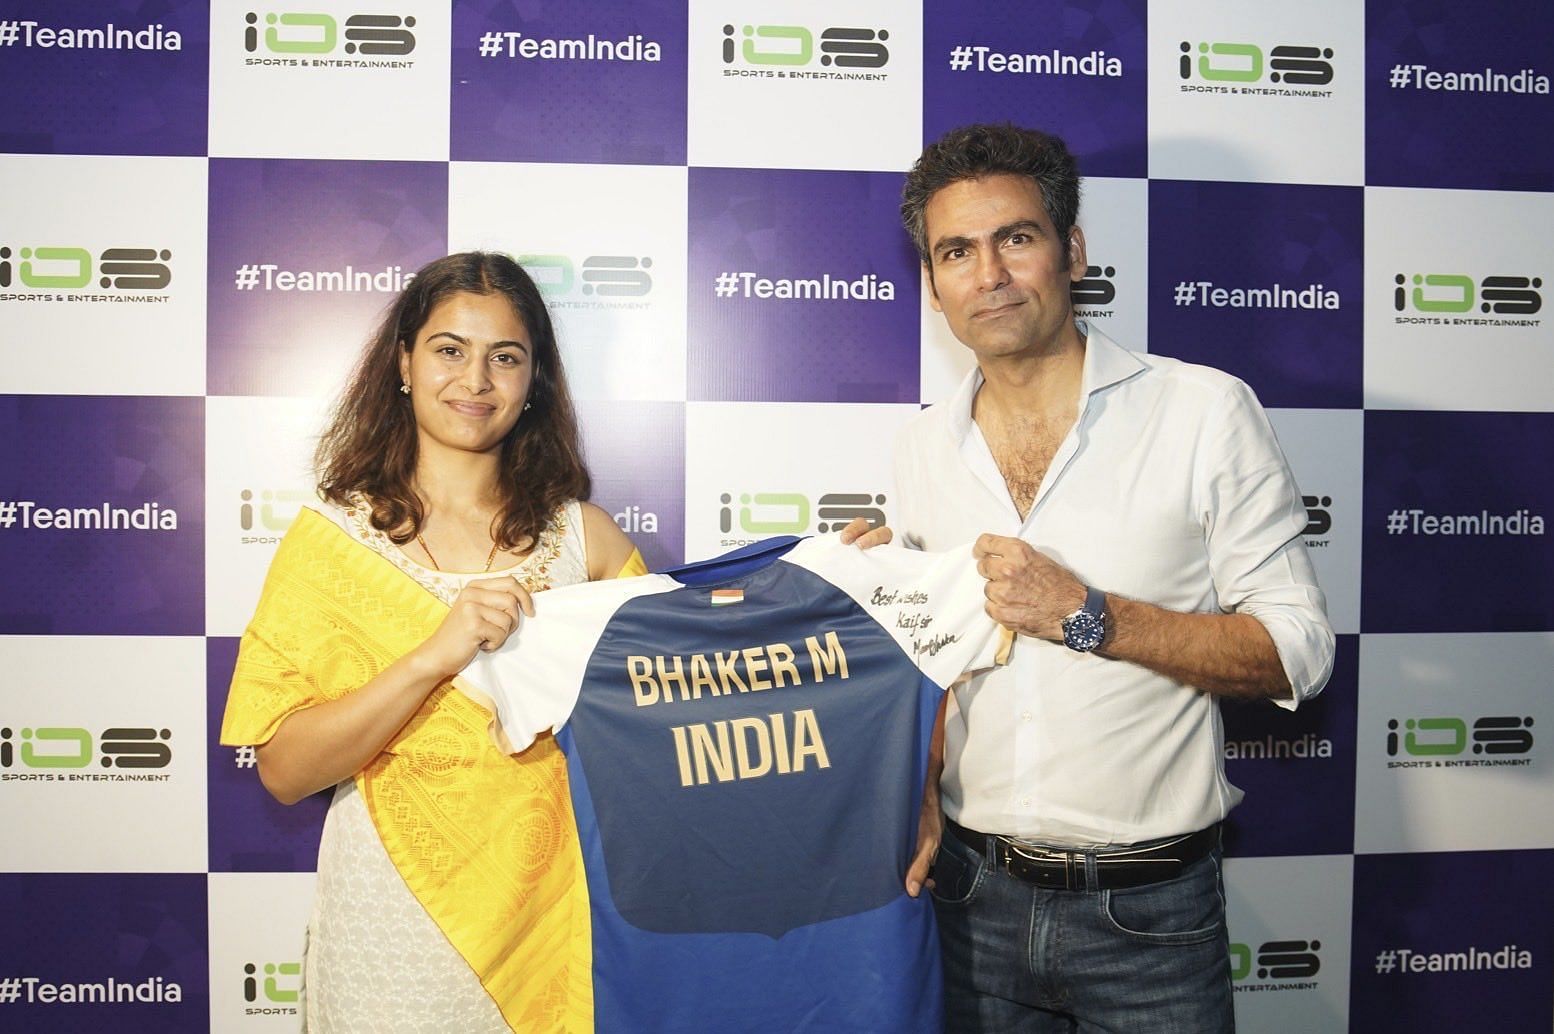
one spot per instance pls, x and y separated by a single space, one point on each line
490 557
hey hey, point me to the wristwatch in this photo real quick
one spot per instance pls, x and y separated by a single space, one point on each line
1084 629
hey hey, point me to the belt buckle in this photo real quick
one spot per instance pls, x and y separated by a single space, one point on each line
1041 866
1003 856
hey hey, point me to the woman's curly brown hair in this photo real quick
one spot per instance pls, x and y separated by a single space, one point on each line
369 447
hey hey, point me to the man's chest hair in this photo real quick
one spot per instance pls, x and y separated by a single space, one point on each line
1023 447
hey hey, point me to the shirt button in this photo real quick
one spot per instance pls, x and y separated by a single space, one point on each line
1025 716
1025 802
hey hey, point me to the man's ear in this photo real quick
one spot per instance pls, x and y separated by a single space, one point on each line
1078 259
931 291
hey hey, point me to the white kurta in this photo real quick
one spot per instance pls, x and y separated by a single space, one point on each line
375 961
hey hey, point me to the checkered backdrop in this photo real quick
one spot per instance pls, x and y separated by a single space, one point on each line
203 208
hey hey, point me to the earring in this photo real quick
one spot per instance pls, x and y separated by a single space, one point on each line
404 389
527 406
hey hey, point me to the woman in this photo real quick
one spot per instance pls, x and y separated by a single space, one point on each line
449 893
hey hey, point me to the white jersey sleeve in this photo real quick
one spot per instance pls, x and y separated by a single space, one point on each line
933 604
535 677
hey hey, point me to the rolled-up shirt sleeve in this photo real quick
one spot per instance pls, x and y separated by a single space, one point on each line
1254 519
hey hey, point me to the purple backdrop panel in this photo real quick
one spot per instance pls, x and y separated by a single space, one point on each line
1297 769
102 516
803 288
1453 942
249 830
1454 535
563 82
1457 95
636 454
1077 70
136 942
84 77
304 258
1262 281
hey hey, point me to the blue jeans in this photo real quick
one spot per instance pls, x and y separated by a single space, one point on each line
1020 958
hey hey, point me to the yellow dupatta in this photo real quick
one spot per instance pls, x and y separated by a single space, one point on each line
485 841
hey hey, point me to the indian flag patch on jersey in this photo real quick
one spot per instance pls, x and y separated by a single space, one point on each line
727 597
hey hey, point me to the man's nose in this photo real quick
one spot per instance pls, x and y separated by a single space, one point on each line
992 273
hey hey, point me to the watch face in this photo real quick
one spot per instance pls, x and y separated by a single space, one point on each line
1083 631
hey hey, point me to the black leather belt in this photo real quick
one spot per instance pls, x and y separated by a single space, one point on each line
1115 869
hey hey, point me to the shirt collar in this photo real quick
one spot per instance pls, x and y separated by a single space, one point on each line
1106 363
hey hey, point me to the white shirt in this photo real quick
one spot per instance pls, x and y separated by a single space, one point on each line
1170 489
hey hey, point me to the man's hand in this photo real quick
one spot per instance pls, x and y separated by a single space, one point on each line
1224 654
930 830
860 531
1026 590
930 820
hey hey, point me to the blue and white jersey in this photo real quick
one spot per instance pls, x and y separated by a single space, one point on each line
746 740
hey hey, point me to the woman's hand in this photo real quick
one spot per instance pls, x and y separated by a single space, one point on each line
483 615
319 746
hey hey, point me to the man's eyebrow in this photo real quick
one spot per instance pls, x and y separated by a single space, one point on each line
945 243
1004 232
1030 226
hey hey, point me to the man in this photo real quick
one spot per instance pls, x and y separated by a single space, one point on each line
1140 529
